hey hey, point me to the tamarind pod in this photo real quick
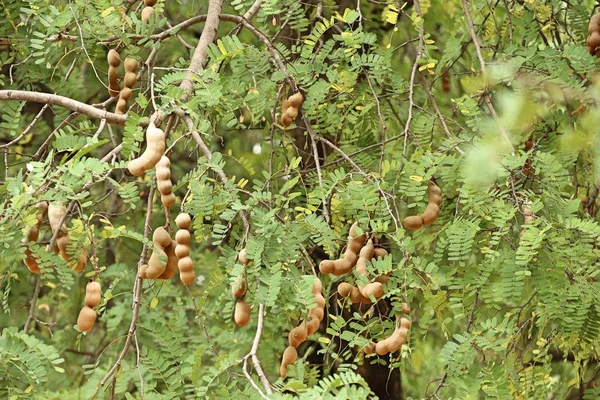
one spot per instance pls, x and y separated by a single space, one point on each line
156 265
93 294
343 266
142 271
129 80
430 214
163 174
405 309
113 58
593 40
594 23
168 199
320 300
187 275
383 279
312 326
155 148
327 266
164 187
183 237
55 214
243 257
182 251
81 261
286 120
183 221
121 107
242 313
297 335
130 65
238 288
86 319
344 289
30 262
369 349
285 106
126 93
446 81
374 289
296 100
356 297
161 237
413 222
147 12
380 252
356 241
62 241
432 188
292 112
366 253
405 323
529 220
398 338
317 313
317 288
150 3
172 261
113 75
290 355
114 89
382 347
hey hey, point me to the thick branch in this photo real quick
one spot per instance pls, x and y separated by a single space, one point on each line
66 102
208 36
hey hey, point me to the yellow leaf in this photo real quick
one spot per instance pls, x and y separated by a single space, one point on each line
29 389
107 11
154 302
416 178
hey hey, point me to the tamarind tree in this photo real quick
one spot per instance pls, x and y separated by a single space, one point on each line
179 180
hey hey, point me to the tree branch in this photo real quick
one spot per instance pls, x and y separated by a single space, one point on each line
66 102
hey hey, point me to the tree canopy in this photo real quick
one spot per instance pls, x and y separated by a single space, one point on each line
178 177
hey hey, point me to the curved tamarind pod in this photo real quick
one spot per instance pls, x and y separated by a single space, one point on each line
242 257
345 265
286 120
430 214
327 266
317 288
413 222
312 326
172 261
113 82
320 300
183 221
86 319
81 261
168 199
150 3
62 243
242 312
147 12
126 94
129 80
357 297
55 214
296 100
297 335
405 323
121 107
93 294
593 40
30 262
290 355
156 264
113 58
317 313
143 269
155 148
594 24
380 252
32 235
161 236
356 241
292 112
374 289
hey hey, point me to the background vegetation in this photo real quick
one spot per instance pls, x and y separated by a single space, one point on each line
494 100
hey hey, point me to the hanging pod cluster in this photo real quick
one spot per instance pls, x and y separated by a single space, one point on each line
163 182
163 261
431 212
593 40
395 341
148 11
56 211
299 334
129 81
32 235
87 316
290 108
241 316
114 60
183 237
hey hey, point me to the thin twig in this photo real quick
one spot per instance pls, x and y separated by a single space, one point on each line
254 350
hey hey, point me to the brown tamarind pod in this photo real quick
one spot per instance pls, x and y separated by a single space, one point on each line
147 12
130 65
344 289
113 58
121 107
317 288
430 214
183 221
126 94
369 349
150 3
593 41
296 100
142 271
290 355
158 260
312 326
297 335
55 214
62 243
155 148
129 80
413 222
238 288
32 235
163 181
93 294
292 112
86 319
81 261
242 313
286 120
242 257
187 275
172 261
594 24
405 308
